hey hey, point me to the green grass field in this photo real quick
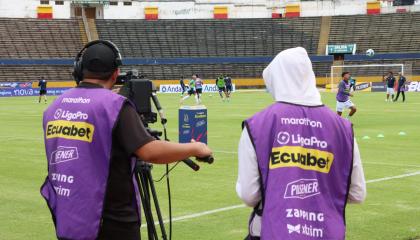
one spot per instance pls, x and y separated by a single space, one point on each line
391 211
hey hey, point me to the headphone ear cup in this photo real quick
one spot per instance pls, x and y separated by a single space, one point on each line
78 72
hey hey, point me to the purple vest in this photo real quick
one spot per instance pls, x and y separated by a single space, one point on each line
343 91
78 137
305 157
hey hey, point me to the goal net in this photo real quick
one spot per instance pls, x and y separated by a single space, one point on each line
366 72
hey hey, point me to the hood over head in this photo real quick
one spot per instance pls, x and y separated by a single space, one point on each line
289 78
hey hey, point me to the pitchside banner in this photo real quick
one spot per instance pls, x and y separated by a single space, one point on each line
410 87
193 124
378 87
20 89
413 87
172 88
363 86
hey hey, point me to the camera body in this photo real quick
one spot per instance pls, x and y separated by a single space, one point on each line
140 92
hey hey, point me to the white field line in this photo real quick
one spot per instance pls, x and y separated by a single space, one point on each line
393 177
200 214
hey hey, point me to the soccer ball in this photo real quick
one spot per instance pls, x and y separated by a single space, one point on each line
370 52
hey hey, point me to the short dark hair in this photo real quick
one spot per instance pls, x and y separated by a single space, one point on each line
391 72
344 73
97 75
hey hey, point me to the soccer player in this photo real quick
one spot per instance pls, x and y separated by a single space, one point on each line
352 84
42 84
182 84
296 189
221 85
401 87
343 100
191 91
390 83
228 82
198 87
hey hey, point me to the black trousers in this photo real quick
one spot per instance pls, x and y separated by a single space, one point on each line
398 94
114 230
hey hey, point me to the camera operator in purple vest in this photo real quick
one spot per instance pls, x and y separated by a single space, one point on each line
299 163
92 139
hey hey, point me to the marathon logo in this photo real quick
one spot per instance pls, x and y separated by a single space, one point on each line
76 100
303 158
81 131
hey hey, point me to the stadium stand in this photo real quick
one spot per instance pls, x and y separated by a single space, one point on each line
386 33
19 73
35 38
209 37
204 38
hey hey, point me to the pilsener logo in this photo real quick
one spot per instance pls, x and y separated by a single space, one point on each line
81 131
304 158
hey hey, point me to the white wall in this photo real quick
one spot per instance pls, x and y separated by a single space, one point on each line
329 8
196 9
61 11
28 9
18 9
124 12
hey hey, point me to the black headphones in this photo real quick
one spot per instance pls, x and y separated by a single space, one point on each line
78 68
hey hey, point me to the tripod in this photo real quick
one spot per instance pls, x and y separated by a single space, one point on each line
147 190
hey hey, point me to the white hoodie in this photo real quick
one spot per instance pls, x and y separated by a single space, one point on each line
290 78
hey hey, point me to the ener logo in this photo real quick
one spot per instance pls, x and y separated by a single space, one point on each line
304 158
81 131
302 188
64 154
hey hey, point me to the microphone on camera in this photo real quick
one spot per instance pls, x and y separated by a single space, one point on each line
159 108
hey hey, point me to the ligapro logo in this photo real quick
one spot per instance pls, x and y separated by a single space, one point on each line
65 114
284 138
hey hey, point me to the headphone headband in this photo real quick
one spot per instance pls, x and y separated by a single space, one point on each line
78 68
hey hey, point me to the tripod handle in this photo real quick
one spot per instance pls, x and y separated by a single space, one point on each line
191 164
208 159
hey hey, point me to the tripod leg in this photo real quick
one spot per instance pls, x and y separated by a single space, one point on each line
147 208
156 202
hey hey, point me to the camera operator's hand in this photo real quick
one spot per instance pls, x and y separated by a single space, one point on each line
162 152
203 150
